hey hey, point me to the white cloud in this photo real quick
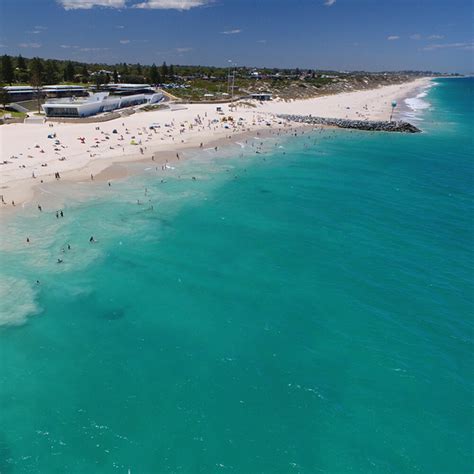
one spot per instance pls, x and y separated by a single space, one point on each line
393 37
124 41
88 4
460 46
262 41
29 45
183 50
435 37
231 32
171 4
329 3
93 49
416 36
37 30
120 27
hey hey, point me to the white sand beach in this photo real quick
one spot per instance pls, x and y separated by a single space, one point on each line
34 153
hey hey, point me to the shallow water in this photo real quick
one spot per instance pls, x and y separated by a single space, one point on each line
303 310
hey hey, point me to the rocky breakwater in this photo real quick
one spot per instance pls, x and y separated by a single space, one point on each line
369 125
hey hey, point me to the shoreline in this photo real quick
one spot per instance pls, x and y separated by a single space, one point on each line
211 132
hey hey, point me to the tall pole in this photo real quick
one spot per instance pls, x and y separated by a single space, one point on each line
228 75
233 83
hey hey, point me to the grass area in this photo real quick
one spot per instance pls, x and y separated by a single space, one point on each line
12 113
149 108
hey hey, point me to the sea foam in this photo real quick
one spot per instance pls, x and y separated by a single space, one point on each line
418 104
14 310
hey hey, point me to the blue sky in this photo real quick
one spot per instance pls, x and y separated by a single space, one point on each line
322 34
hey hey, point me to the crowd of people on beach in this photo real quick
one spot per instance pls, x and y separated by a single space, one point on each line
253 139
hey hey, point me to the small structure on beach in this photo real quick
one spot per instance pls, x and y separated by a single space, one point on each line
261 96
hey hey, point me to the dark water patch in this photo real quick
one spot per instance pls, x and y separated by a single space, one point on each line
114 314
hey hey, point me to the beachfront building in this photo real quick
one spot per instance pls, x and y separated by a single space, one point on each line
21 93
261 96
56 91
128 89
95 104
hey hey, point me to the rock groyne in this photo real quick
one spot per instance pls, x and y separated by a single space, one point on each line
368 125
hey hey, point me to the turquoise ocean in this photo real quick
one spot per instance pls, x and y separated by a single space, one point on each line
303 310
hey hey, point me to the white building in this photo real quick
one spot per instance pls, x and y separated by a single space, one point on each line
95 104
61 90
20 93
128 89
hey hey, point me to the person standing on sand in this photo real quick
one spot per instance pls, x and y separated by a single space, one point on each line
40 208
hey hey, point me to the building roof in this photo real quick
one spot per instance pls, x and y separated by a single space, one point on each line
19 88
129 86
63 87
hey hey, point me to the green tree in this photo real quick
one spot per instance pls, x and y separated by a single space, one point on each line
154 75
84 74
124 69
20 62
164 71
7 71
51 73
116 78
171 71
21 71
4 97
36 78
69 72
138 69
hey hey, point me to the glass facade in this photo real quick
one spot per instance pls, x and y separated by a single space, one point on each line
62 111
